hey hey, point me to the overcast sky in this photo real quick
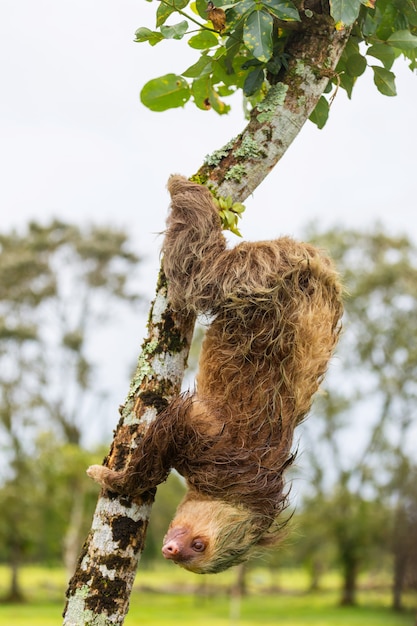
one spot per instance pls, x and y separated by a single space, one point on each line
76 143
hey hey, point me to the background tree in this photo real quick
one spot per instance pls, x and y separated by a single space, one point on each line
59 285
404 535
360 443
284 71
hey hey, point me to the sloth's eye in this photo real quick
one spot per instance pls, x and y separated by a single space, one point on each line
198 545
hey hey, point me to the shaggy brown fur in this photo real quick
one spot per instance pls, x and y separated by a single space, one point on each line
276 308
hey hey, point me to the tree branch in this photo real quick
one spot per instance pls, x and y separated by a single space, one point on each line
107 565
239 167
98 593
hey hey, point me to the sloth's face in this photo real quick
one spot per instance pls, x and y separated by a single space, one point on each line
209 536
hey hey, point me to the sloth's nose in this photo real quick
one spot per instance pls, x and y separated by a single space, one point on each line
170 549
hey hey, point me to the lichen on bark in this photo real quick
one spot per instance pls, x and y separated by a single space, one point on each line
313 54
99 591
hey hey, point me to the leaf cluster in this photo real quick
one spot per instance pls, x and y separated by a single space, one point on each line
378 38
229 212
242 46
236 52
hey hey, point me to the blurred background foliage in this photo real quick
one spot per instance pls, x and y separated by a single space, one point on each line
63 291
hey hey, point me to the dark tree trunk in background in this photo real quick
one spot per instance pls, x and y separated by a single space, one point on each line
15 592
350 571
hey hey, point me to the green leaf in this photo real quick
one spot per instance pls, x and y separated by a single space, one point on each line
240 11
403 40
223 203
202 67
385 81
217 103
165 10
223 73
254 81
224 90
345 11
356 65
238 207
347 82
144 34
369 25
166 92
201 91
321 113
282 9
224 4
384 53
201 8
177 31
386 22
257 35
229 217
203 40
206 97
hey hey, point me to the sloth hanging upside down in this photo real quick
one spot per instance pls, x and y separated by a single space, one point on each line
276 308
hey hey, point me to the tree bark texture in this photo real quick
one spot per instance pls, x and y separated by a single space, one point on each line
98 593
99 590
240 166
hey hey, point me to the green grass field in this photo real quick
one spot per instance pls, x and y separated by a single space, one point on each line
197 601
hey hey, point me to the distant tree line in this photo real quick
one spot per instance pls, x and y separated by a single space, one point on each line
64 288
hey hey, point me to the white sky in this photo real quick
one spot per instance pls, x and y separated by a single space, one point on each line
76 143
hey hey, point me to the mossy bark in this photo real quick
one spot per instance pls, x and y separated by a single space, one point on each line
240 166
98 593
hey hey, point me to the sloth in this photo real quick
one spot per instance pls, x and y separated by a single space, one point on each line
274 309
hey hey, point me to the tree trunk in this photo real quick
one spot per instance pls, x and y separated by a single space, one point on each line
400 567
72 537
240 588
237 592
99 590
107 565
15 593
403 544
349 584
316 570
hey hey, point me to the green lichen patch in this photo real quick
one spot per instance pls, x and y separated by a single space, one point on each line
299 68
215 158
199 178
143 368
161 281
274 99
248 149
236 172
